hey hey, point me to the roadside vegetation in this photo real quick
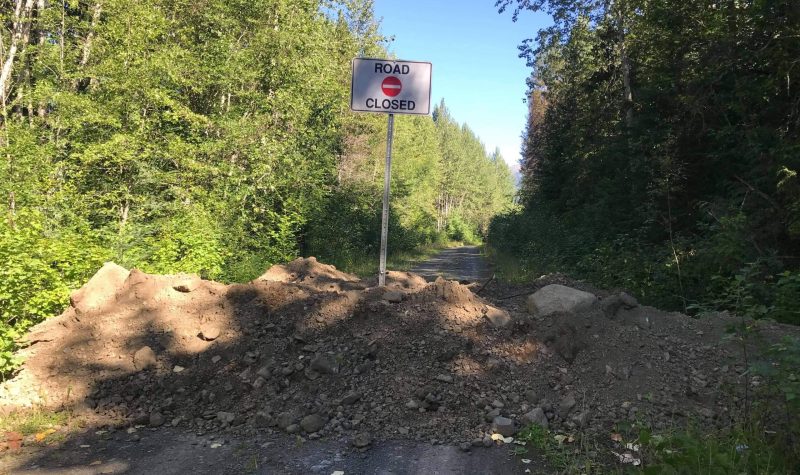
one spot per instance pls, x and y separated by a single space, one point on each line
216 140
661 157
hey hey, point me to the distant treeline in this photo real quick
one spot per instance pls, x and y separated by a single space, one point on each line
211 137
662 151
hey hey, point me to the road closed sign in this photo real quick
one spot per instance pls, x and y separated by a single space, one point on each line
393 87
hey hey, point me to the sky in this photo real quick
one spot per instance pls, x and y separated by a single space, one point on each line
476 68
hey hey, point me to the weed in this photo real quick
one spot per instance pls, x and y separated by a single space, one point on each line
34 421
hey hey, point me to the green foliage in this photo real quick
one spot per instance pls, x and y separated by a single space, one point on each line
672 175
40 267
214 140
738 450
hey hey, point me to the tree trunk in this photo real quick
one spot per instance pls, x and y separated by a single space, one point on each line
19 32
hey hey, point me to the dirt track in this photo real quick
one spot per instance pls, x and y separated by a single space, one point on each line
458 263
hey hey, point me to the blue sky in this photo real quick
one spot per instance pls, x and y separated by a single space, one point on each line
475 65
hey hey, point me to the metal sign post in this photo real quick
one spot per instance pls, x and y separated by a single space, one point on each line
391 87
387 178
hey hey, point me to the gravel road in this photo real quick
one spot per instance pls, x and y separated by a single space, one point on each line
458 263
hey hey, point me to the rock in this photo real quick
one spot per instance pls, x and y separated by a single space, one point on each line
144 358
361 440
293 429
503 426
445 378
538 417
284 420
611 305
209 332
628 300
264 372
465 447
324 365
262 419
351 398
491 415
186 283
313 423
259 383
393 296
101 289
580 419
559 298
566 405
412 404
178 369
498 318
498 404
226 418
216 359
156 420
487 441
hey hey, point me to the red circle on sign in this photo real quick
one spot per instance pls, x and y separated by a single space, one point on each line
391 86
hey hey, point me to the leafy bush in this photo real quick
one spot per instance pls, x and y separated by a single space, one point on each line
39 268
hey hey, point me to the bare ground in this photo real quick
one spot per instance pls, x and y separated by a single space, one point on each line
311 370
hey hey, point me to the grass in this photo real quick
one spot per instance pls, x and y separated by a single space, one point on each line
508 268
34 421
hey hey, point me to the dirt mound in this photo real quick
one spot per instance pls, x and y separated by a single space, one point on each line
311 273
309 349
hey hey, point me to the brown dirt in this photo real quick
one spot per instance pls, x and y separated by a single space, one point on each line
307 339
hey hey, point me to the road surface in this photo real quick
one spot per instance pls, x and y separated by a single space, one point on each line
458 263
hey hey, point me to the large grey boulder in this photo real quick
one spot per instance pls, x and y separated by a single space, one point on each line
559 298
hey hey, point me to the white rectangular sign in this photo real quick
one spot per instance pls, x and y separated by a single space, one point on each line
389 86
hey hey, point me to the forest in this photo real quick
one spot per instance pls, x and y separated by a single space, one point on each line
661 153
212 138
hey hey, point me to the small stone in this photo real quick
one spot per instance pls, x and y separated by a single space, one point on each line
492 414
487 441
262 419
351 398
284 420
498 404
178 369
580 419
313 423
465 447
259 383
567 404
293 429
445 378
216 359
412 404
628 300
156 419
503 426
393 296
497 317
209 333
144 358
361 440
226 418
403 431
186 284
538 417
325 365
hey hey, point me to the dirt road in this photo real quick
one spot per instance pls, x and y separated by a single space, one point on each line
170 451
459 263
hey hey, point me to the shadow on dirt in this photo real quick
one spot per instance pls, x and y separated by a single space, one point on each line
182 375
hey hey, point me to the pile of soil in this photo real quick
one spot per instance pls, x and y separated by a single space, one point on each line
309 349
